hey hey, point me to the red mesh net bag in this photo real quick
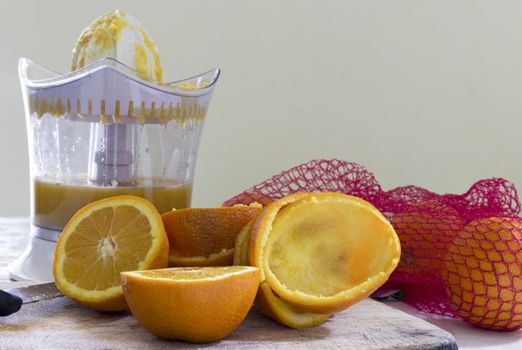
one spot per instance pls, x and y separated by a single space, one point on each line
461 254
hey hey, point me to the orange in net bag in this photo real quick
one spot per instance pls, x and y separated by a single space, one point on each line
461 254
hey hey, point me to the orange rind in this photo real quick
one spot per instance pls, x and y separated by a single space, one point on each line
223 258
326 251
205 236
266 301
285 313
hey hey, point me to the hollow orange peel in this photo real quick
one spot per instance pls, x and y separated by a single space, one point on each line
269 303
205 236
322 252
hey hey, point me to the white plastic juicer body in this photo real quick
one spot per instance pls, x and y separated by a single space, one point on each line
104 128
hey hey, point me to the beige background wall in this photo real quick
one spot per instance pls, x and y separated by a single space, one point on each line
423 92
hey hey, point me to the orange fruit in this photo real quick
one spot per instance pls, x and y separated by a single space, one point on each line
322 252
200 304
266 301
425 232
483 273
102 239
205 236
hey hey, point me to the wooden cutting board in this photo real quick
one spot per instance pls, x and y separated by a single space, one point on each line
62 324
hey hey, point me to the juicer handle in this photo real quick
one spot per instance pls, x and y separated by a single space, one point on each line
9 303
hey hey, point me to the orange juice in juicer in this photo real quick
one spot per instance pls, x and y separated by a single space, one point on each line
110 127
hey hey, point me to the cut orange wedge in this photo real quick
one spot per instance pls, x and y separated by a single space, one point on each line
322 252
200 304
102 239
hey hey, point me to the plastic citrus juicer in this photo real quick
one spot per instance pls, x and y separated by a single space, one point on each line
104 130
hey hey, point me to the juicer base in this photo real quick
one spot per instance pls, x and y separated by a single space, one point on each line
35 264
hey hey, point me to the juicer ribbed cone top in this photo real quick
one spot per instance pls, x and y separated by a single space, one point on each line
102 131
